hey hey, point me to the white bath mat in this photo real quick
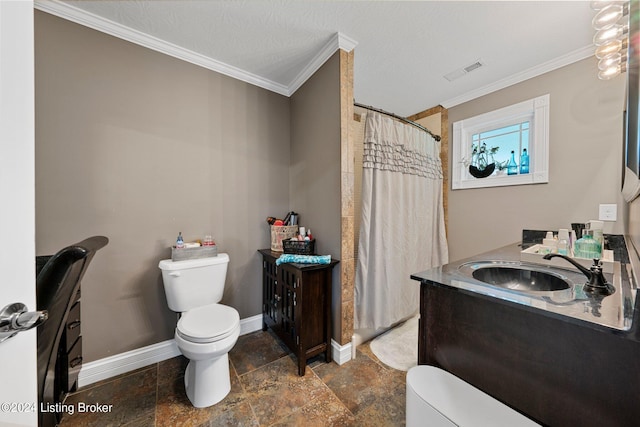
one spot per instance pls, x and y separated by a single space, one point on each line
398 347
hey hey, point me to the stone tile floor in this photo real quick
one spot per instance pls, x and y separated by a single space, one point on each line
265 391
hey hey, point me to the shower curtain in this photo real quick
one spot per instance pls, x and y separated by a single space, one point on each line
402 228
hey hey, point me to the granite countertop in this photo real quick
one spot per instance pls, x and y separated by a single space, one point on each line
615 311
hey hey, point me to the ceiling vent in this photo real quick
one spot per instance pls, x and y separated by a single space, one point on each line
464 70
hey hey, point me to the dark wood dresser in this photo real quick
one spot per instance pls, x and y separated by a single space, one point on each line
70 352
296 305
69 358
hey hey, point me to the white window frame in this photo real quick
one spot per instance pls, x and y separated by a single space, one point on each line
535 110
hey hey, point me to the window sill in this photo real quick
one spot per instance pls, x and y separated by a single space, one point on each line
503 180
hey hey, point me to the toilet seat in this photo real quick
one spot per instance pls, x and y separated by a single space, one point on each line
209 323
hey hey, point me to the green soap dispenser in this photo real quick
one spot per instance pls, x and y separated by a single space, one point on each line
587 247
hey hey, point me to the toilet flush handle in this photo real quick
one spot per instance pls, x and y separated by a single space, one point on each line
174 274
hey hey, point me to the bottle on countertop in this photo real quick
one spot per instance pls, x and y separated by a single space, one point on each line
564 242
597 231
572 242
179 241
587 246
549 244
563 247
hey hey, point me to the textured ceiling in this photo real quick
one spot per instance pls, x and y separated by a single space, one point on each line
403 48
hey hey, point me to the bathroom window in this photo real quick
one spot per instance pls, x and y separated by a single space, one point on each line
509 146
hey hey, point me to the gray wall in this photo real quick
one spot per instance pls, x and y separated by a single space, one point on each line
136 145
585 163
315 165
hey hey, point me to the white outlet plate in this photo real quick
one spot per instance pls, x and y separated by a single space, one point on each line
608 212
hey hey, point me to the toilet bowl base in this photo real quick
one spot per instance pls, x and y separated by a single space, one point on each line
207 381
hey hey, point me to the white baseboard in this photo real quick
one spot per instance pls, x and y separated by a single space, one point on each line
111 366
251 324
341 354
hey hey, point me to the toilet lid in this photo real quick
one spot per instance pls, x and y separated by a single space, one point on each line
208 323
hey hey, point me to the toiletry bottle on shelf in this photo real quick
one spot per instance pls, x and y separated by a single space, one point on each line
563 247
549 244
512 166
179 241
564 239
524 162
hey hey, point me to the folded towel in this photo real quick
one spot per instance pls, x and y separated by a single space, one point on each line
304 259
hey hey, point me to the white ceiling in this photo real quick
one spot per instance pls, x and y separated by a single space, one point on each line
402 49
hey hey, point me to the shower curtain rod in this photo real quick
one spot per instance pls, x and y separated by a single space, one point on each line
378 110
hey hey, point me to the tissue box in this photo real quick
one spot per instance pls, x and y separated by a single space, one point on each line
531 255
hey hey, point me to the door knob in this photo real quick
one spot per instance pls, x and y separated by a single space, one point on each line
16 318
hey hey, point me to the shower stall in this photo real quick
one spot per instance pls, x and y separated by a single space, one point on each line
399 225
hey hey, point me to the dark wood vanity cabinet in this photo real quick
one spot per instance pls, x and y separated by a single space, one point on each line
296 305
557 372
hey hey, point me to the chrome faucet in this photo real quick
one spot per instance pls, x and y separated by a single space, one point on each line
597 283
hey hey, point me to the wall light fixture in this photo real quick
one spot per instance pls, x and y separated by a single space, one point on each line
612 37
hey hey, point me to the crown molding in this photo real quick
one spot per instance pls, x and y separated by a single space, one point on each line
554 64
337 41
79 16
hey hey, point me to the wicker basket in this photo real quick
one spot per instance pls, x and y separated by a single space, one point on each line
280 233
299 247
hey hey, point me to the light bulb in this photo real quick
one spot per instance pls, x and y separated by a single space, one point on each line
609 73
612 46
612 72
608 16
604 36
611 60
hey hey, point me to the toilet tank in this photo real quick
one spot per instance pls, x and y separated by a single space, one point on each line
195 282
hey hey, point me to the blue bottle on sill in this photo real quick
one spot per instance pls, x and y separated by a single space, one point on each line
512 167
524 162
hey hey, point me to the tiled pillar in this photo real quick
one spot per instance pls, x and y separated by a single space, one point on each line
347 261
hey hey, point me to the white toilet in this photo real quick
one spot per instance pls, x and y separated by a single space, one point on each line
206 331
437 398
